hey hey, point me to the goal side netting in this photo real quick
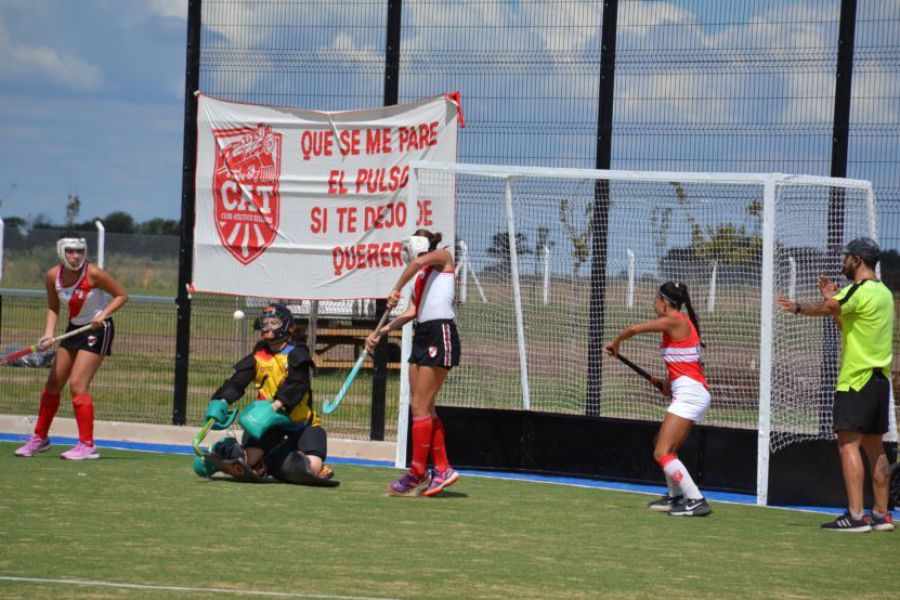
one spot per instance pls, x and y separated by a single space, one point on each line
550 260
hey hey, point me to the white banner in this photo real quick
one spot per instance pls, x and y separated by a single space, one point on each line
311 205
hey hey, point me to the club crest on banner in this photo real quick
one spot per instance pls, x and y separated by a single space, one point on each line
245 189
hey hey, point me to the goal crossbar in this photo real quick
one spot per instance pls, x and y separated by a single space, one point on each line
505 171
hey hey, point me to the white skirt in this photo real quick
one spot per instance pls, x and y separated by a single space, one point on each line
690 399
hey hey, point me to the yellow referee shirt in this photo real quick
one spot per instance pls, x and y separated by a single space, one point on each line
867 324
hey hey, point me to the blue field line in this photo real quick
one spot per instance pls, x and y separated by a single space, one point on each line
730 498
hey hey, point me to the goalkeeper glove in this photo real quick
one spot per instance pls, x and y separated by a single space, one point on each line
218 411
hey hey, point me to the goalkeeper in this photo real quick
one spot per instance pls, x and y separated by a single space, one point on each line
283 436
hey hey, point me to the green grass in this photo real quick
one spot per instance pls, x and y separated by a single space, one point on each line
146 519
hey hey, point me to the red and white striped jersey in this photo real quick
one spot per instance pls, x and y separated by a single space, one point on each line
84 301
683 357
434 292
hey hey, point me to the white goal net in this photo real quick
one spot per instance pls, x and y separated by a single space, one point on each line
553 262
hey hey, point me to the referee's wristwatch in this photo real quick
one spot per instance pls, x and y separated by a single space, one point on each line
797 308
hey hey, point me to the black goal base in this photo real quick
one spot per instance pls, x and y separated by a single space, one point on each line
719 458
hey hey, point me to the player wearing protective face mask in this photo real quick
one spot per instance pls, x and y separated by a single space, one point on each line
435 351
292 445
82 288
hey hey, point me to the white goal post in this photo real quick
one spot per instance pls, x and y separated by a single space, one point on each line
736 239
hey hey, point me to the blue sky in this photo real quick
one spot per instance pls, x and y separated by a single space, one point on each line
91 91
92 97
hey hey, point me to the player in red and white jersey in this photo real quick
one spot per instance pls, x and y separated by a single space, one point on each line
80 286
435 351
686 383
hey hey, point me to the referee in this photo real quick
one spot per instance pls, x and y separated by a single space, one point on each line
864 310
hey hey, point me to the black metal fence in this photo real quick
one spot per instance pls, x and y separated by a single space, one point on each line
704 86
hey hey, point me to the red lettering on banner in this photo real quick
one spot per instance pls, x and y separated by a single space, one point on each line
319 216
316 143
365 256
381 180
419 136
336 182
346 219
350 142
385 217
378 141
425 214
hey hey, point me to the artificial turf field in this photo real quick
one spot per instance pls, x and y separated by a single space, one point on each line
146 519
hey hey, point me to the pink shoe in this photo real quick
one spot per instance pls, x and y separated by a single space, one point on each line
34 445
81 452
407 485
440 480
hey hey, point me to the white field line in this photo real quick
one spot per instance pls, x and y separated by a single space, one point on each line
183 589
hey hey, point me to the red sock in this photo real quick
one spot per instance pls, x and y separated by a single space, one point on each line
49 406
83 405
438 446
421 435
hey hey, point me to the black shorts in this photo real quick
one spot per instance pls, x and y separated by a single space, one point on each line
98 341
311 440
865 411
435 344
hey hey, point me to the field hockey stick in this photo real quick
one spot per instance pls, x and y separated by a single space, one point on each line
653 380
201 435
329 405
35 347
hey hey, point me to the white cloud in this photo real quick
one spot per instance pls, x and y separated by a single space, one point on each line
169 8
21 60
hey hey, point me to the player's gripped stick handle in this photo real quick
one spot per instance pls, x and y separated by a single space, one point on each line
653 380
201 435
35 347
329 405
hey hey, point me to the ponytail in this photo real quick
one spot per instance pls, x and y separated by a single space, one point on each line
676 294
433 238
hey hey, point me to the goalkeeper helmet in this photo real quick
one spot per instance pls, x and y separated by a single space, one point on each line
275 322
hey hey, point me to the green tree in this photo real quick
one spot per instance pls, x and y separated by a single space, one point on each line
119 222
160 227
581 240
500 248
727 243
73 207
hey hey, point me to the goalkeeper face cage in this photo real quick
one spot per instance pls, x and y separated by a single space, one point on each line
274 322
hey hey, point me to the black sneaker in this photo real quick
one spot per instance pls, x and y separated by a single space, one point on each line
883 523
691 508
847 523
665 503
